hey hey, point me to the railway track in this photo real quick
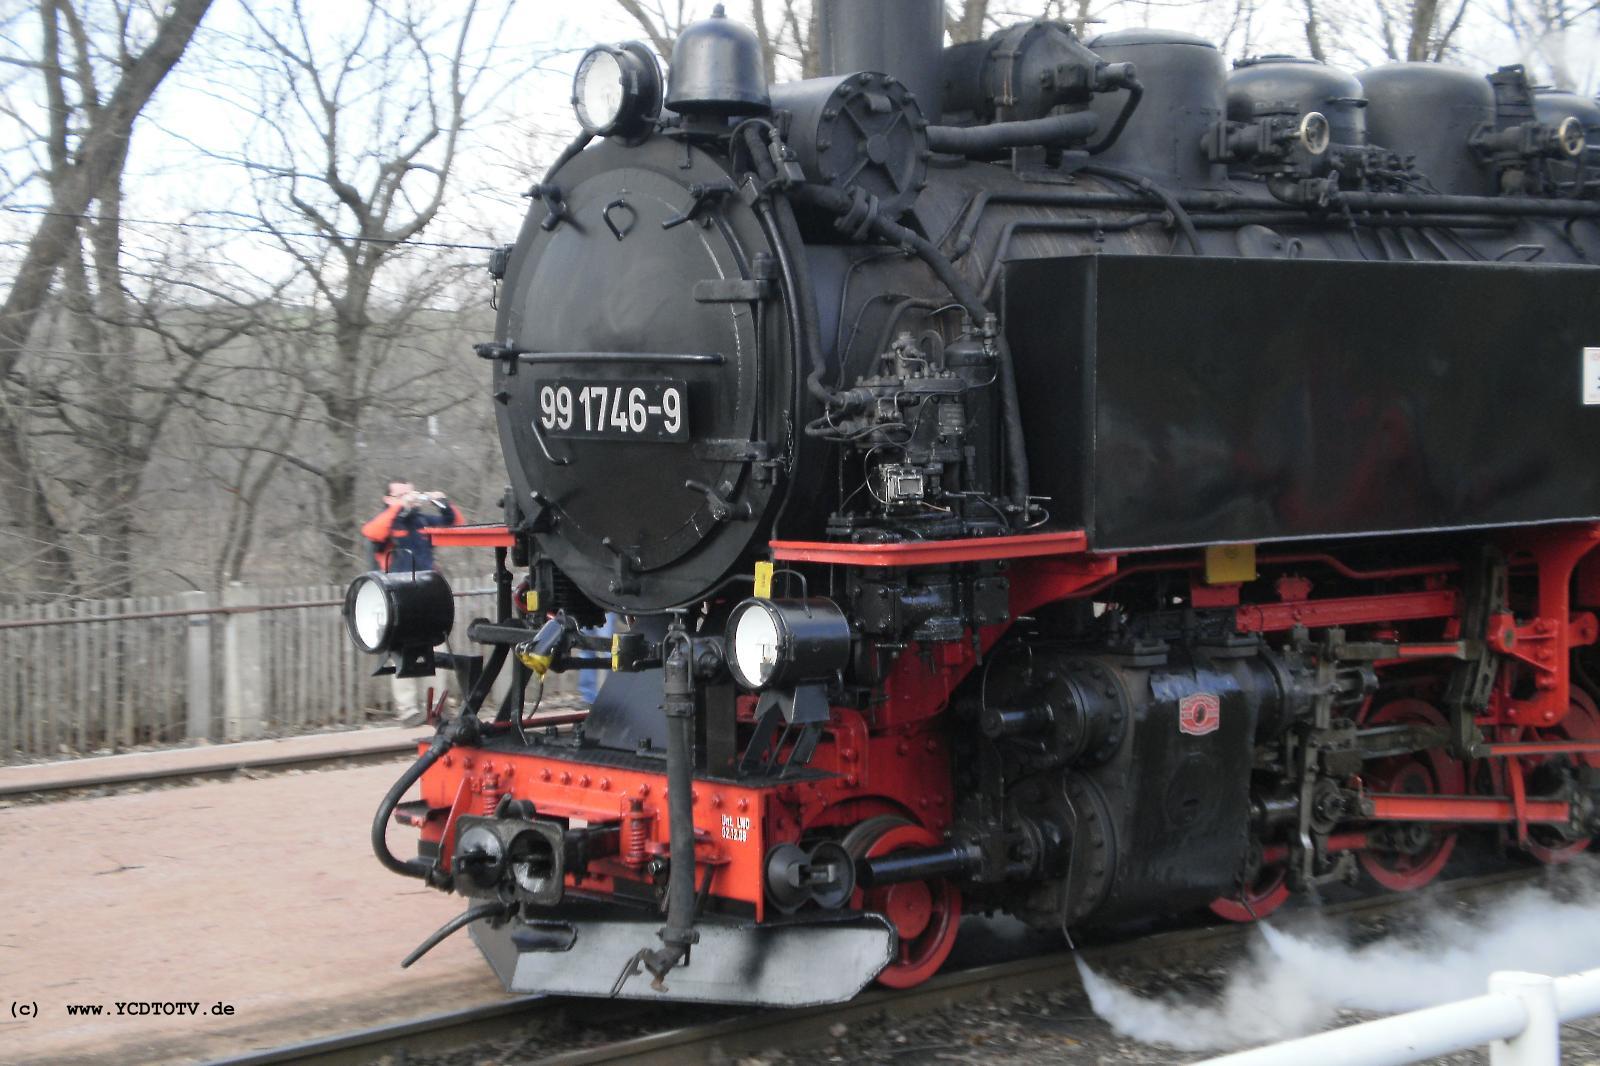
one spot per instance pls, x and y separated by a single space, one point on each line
683 1037
26 788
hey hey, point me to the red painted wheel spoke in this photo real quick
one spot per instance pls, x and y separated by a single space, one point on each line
1423 773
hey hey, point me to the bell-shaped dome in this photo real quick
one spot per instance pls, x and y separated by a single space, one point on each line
716 69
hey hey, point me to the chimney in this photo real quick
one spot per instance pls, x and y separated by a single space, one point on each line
903 38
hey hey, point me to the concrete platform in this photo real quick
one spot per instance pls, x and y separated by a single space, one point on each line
260 895
207 759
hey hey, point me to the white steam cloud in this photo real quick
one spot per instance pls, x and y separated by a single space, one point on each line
1294 983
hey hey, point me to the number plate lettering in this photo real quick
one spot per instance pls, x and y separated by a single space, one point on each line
614 410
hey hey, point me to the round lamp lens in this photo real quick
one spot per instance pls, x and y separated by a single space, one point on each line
756 644
598 90
369 616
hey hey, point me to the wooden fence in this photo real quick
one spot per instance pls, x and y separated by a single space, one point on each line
109 675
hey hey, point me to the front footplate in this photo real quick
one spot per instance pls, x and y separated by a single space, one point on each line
793 964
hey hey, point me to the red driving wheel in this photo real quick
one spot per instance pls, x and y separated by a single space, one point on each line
1581 723
925 914
1268 891
1426 773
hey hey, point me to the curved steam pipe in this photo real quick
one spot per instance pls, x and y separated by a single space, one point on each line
1052 131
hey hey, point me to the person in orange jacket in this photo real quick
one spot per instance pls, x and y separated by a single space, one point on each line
399 544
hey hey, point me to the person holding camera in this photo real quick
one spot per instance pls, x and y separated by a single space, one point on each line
400 545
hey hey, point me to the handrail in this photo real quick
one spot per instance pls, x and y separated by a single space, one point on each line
1520 1018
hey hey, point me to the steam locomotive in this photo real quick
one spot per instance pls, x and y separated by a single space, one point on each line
1062 478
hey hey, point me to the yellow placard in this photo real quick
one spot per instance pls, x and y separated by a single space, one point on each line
763 581
1230 564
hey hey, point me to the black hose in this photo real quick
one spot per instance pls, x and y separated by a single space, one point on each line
1138 181
782 231
1135 94
1052 131
579 143
465 918
442 742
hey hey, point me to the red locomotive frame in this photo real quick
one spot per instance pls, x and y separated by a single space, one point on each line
892 763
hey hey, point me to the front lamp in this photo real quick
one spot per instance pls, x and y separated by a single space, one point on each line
783 643
405 613
617 90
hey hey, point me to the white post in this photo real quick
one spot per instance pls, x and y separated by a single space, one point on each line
198 692
1539 1043
243 682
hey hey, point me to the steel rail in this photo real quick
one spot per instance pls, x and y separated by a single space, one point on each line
275 763
754 1031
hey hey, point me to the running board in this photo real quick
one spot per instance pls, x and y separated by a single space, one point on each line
795 964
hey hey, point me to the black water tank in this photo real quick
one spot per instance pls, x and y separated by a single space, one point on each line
1303 85
1183 78
1430 111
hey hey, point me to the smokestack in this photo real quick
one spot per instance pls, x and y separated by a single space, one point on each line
903 38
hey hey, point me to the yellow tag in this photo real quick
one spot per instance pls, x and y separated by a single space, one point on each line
533 601
616 651
763 580
539 664
1230 564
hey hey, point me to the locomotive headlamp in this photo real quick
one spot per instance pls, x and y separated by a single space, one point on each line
409 613
617 90
780 643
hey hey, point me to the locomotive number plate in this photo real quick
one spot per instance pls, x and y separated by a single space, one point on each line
614 410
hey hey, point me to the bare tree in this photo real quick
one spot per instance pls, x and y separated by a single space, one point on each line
1543 30
96 81
359 150
1419 30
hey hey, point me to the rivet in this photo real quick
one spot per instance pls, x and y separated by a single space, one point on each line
851 780
605 784
644 789
716 799
583 782
566 778
744 803
544 775
931 744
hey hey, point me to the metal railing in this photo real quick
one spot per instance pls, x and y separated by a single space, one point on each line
1520 1019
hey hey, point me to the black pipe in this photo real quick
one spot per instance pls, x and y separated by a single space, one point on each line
1052 131
782 231
678 704
1145 185
443 741
952 860
1421 210
465 918
578 144
1135 94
